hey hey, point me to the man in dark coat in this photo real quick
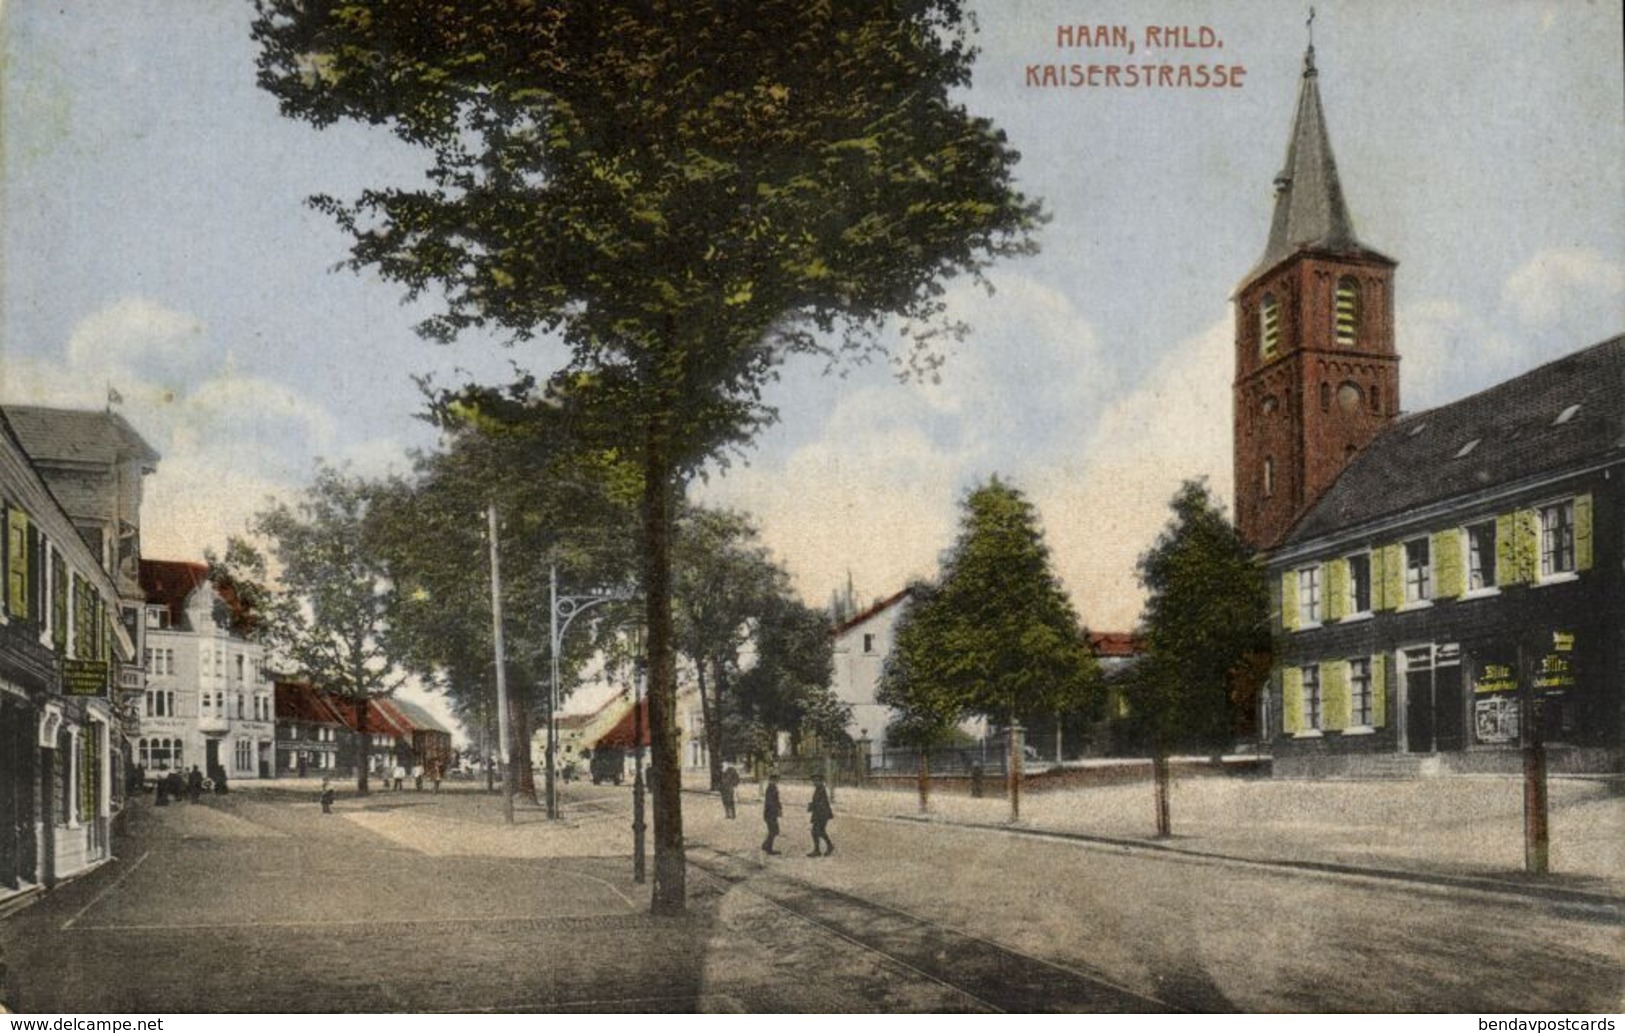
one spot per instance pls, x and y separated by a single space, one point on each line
821 813
771 809
727 785
194 785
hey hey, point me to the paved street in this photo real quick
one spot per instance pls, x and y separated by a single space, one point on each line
416 902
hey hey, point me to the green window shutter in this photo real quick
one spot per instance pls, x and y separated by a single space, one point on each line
1291 700
1289 600
1449 575
59 602
1335 577
1334 695
36 579
1393 576
1582 532
17 564
1528 545
1506 549
1379 690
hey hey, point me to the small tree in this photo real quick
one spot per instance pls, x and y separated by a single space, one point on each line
997 636
327 616
1206 633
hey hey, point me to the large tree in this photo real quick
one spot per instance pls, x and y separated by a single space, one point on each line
996 635
326 613
684 192
786 686
569 510
1206 634
723 581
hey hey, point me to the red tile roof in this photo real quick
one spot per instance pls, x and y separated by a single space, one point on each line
621 736
1115 643
299 701
877 608
170 583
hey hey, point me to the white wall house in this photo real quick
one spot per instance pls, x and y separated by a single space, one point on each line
862 644
208 700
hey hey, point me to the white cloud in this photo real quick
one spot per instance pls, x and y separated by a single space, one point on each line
227 441
1103 513
1566 286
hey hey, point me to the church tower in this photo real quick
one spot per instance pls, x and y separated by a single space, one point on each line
1317 376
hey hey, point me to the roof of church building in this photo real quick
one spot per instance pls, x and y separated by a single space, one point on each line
77 435
1545 421
1310 211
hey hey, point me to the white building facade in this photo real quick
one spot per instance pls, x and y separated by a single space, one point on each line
209 702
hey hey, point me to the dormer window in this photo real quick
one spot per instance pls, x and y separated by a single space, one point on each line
1348 311
1269 327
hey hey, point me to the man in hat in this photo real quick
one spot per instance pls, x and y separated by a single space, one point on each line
771 809
821 813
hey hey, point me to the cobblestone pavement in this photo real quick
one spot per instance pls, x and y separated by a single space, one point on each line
257 902
421 902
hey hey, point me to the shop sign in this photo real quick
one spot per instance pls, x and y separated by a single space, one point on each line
84 677
1556 672
1496 678
1495 719
1563 641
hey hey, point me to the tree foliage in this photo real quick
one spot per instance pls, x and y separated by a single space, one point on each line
1206 629
787 687
684 193
996 635
569 509
326 612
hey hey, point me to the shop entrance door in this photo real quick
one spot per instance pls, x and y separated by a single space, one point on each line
1449 708
1419 707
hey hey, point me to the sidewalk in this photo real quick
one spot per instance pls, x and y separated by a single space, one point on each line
1462 827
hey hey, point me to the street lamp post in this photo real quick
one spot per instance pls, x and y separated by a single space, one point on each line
561 612
638 824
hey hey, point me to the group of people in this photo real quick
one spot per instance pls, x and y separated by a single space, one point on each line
819 813
395 778
174 785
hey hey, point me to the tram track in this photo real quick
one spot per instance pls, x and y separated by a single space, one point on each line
989 976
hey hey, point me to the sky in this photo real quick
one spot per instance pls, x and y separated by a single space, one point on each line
154 239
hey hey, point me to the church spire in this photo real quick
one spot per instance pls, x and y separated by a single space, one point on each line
1309 206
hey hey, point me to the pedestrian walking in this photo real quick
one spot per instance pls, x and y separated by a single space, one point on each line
400 777
771 809
728 786
327 796
821 813
435 774
417 776
194 785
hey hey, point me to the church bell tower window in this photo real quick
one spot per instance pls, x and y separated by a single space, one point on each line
1348 311
1269 327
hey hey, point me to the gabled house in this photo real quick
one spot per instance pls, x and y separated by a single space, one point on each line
861 645
208 702
308 731
64 653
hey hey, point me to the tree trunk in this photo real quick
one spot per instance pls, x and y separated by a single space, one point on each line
707 710
713 723
363 747
1159 772
925 779
519 746
669 893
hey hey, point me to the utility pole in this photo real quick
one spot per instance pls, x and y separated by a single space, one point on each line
502 672
1536 829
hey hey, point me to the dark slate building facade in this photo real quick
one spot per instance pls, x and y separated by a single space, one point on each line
1448 585
1459 588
